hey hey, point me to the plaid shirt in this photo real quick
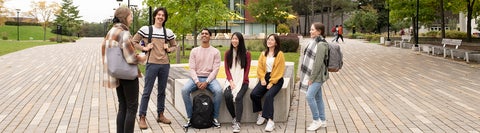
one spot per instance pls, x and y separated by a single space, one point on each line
118 36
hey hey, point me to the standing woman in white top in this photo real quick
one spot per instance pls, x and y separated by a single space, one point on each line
271 66
237 66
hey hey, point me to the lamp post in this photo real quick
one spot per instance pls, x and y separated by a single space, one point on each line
18 24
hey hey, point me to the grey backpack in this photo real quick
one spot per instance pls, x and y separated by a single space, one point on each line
334 60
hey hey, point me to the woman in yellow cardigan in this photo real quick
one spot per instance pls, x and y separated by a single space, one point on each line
271 66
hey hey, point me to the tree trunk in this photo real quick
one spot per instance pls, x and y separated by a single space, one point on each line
469 19
443 18
195 29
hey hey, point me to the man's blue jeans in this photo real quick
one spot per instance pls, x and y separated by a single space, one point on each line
315 101
154 71
213 87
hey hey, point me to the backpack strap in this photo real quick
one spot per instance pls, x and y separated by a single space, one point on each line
326 60
165 38
150 30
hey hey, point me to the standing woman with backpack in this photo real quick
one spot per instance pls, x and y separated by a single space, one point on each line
314 73
271 67
237 66
159 42
127 89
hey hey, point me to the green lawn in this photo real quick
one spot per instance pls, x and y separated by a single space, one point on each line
26 32
8 46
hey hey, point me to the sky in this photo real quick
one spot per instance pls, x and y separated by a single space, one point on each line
90 10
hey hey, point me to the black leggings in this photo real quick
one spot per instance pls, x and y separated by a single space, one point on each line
235 112
127 93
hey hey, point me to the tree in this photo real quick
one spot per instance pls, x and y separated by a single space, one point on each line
2 12
68 18
188 16
43 11
472 10
269 11
365 20
92 30
406 10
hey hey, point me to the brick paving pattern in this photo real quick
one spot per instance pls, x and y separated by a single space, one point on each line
57 88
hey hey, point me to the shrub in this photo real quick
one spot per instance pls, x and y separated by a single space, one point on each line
4 36
372 37
289 43
64 39
283 28
432 33
52 39
355 36
453 34
254 45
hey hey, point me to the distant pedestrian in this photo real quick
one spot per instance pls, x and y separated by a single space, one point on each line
127 90
314 73
237 66
335 33
340 33
271 67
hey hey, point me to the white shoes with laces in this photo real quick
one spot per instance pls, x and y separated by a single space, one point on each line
260 119
316 124
270 125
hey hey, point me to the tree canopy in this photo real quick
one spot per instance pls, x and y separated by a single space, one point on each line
68 18
187 16
44 11
269 11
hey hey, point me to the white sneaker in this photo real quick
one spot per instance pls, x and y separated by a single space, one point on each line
236 127
324 123
260 119
315 125
270 125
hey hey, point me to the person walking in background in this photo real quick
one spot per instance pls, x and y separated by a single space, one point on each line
340 33
237 66
335 33
127 90
271 66
158 63
204 64
314 73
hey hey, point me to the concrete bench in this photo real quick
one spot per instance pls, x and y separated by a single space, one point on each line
403 41
451 51
179 76
281 104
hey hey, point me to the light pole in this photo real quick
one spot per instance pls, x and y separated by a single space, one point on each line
18 24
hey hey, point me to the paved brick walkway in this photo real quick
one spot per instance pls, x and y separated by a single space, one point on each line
56 88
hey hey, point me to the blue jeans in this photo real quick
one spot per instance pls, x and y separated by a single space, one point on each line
315 101
152 72
213 87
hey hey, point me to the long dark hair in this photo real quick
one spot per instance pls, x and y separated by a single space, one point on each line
241 51
164 11
277 47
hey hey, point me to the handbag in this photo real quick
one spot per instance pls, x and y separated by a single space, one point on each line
117 65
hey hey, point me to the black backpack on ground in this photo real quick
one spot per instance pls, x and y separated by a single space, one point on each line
202 115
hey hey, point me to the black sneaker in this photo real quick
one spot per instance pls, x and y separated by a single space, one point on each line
216 123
